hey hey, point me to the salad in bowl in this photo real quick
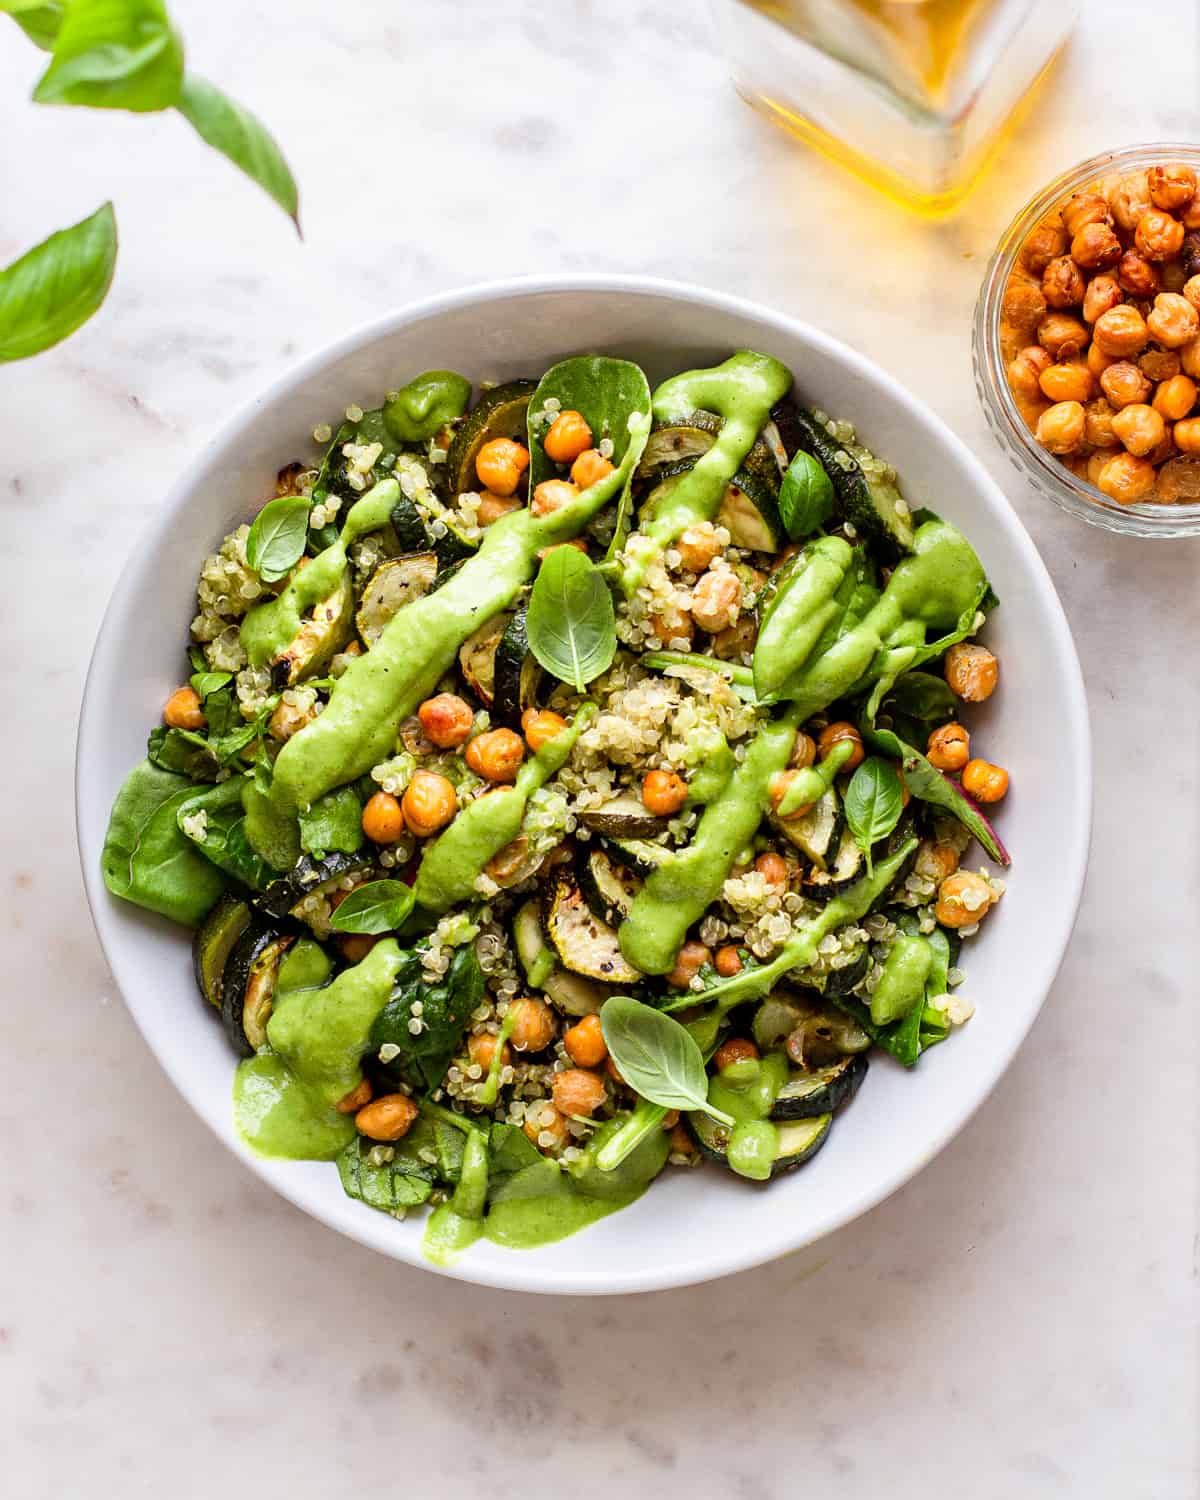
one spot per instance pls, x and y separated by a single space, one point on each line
572 781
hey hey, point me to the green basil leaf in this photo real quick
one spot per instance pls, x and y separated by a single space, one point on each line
805 497
571 624
874 802
57 285
114 54
922 696
277 537
38 19
234 132
204 683
379 906
655 1055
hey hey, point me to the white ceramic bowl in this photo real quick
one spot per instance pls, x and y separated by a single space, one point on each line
690 1226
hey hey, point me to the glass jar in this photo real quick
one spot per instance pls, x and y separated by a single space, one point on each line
910 94
1048 475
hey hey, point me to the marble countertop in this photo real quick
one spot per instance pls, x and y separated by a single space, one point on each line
1021 1319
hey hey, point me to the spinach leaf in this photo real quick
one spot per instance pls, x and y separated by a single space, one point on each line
56 286
509 1149
333 822
234 132
379 906
38 19
277 537
183 751
571 624
392 1186
223 839
904 1039
922 696
928 784
114 54
656 1056
446 1007
805 497
146 859
873 803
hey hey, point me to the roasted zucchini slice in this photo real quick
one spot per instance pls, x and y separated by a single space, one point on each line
674 443
820 1091
409 525
585 944
514 863
477 657
393 584
608 887
320 637
822 1035
815 833
623 818
641 855
214 941
518 674
749 510
248 985
309 875
574 995
798 1140
873 505
451 543
529 939
846 868
499 413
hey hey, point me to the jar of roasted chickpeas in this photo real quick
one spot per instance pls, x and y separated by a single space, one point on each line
1087 341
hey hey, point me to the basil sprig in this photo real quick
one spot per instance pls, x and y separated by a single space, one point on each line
379 906
571 625
656 1056
56 286
805 497
276 540
874 802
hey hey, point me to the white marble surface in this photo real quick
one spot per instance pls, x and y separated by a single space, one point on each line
1019 1321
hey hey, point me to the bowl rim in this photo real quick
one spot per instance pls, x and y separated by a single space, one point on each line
522 1271
1078 497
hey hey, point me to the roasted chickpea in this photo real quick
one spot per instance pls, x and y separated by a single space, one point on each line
1062 335
1173 321
1164 449
804 751
728 961
779 787
351 1103
1082 209
429 803
698 546
1129 198
578 1091
984 781
737 640
1070 382
541 725
446 720
1121 332
1095 462
1060 430
496 755
935 861
493 507
1123 384
949 747
736 1049
1097 424
500 464
354 946
590 468
1172 185
834 734
1158 236
1189 359
567 437
773 868
1139 427
674 626
690 959
382 820
1159 364
1189 217
481 1049
1097 360
1025 371
1102 293
291 714
1187 435
552 495
1042 245
1125 478
182 710
663 793
1136 275
971 672
963 899
546 1127
585 1043
533 1025
1191 290
1175 397
716 600
1095 247
1062 283
387 1118
1023 306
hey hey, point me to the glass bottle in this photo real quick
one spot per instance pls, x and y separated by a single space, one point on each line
911 94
